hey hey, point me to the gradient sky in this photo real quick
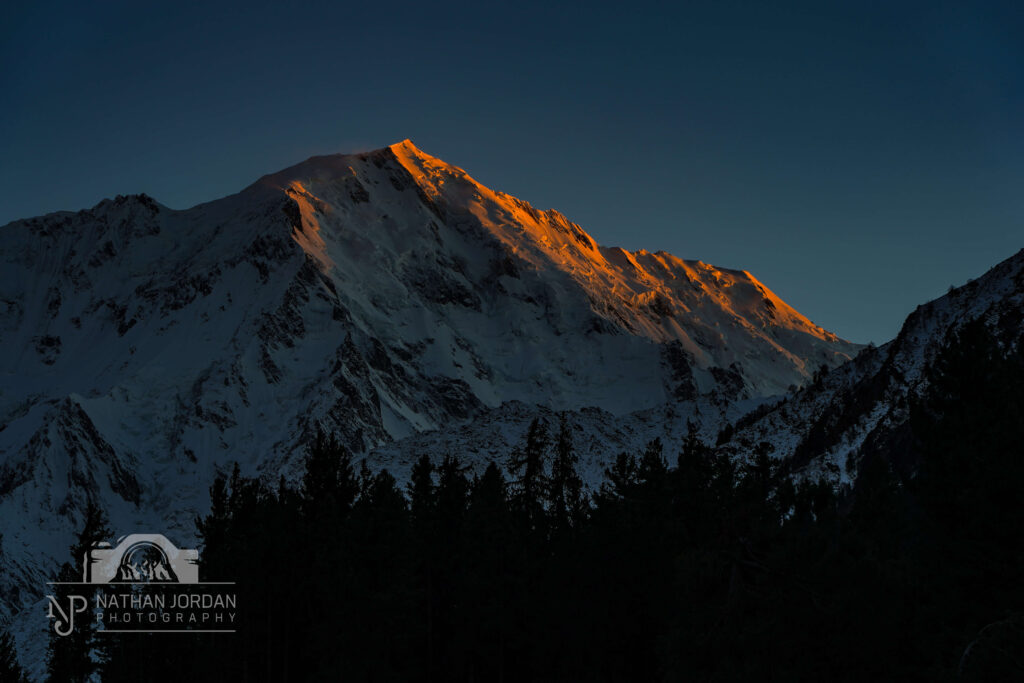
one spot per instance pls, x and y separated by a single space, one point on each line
857 158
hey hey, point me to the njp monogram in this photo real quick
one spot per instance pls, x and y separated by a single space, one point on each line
65 619
137 559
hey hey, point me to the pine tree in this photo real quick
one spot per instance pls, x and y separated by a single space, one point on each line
652 467
76 657
452 494
421 492
422 496
971 435
449 568
329 483
694 476
565 493
653 491
528 465
10 669
620 479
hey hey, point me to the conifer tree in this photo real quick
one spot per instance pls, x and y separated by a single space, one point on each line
493 574
566 488
76 657
10 670
423 538
329 483
620 481
452 493
528 467
652 467
421 492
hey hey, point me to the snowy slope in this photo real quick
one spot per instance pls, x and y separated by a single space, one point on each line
381 296
823 429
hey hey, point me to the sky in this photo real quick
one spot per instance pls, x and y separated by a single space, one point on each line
858 158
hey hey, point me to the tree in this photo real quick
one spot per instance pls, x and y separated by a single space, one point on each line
329 482
565 492
620 479
423 517
652 467
694 475
491 578
971 436
420 490
74 658
10 669
452 495
527 465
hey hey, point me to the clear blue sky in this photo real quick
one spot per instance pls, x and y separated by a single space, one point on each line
858 158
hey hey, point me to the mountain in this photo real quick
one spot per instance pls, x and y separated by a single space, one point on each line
379 296
827 427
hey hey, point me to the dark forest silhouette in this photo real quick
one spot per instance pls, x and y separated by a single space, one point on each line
683 566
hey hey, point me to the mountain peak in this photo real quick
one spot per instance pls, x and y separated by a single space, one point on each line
722 317
428 171
344 164
405 145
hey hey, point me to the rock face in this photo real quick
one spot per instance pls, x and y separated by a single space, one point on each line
378 295
824 429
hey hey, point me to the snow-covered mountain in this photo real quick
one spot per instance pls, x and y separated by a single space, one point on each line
824 429
380 296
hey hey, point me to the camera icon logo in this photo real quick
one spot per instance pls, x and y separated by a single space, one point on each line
140 558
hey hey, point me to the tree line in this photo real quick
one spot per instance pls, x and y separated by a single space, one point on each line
691 566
